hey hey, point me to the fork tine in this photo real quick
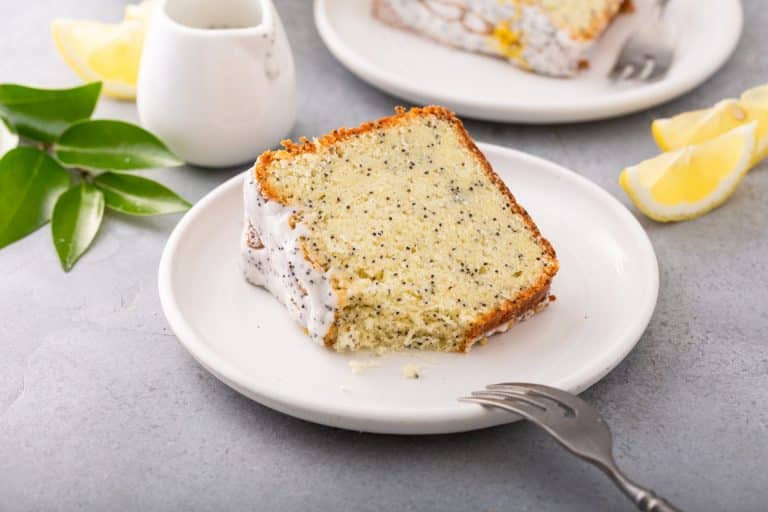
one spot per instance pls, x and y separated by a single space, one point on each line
616 70
524 409
563 398
647 68
641 55
623 71
543 410
511 394
558 408
661 66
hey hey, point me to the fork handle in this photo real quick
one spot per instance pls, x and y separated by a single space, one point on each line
644 499
652 503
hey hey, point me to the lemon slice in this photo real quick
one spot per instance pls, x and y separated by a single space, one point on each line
702 125
755 101
756 98
691 181
106 52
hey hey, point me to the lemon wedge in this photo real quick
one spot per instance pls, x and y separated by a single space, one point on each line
755 101
702 125
691 181
756 97
106 52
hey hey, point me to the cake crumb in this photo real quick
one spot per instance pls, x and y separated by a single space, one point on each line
411 371
359 367
484 340
628 7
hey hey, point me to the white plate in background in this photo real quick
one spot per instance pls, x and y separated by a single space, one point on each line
606 289
424 72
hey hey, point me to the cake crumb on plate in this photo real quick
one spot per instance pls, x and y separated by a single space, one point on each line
411 371
359 367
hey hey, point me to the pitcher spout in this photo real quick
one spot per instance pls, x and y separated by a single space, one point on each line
223 18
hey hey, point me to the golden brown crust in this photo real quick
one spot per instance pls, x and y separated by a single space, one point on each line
528 300
598 23
304 145
628 7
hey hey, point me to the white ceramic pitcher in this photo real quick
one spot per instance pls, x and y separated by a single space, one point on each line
217 80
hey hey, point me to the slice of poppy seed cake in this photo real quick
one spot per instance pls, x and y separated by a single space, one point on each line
396 234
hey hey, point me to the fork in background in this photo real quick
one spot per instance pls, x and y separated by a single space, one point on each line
649 51
574 424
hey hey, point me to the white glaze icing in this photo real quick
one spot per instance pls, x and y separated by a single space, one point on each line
280 267
549 50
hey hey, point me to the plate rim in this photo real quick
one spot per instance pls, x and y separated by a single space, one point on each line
376 420
479 108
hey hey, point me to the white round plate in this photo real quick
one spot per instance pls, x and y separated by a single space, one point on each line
606 290
422 71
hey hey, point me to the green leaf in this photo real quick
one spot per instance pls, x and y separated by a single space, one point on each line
9 139
44 114
138 196
76 220
30 183
113 145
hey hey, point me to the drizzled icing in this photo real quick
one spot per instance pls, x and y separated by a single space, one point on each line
549 50
539 44
279 264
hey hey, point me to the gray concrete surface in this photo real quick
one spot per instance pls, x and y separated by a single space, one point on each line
101 408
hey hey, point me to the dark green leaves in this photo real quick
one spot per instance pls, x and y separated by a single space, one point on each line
113 145
30 182
44 114
138 196
35 187
76 220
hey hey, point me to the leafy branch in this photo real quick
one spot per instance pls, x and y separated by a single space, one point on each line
59 165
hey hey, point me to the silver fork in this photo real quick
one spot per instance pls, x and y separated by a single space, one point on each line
574 424
648 53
